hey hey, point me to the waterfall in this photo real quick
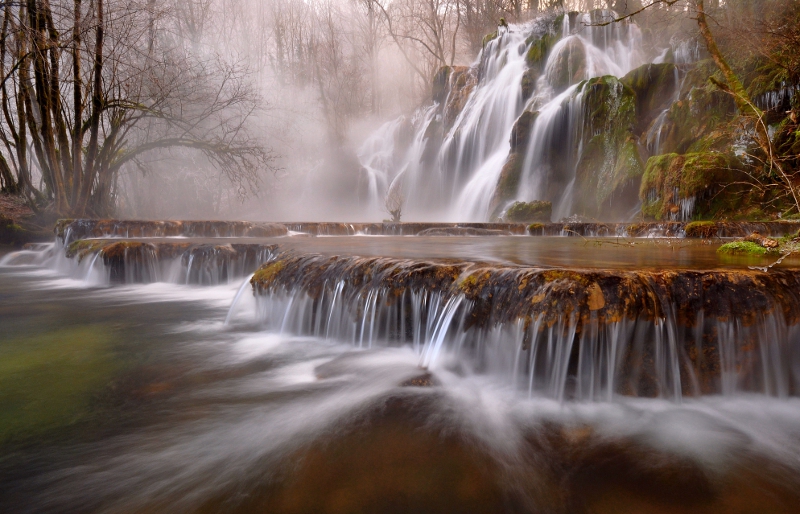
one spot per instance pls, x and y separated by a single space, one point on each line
585 336
451 165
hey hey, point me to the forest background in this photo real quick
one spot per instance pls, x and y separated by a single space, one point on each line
255 109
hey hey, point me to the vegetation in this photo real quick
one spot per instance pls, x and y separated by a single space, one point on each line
527 212
742 248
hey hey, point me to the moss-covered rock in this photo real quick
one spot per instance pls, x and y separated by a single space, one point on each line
701 120
508 183
654 86
528 84
539 49
742 248
567 66
526 212
669 179
610 167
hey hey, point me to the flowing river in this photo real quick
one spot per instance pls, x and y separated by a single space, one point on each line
178 389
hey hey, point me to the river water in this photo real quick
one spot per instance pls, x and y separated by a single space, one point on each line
140 398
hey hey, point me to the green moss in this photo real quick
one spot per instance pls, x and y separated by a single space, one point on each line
61 226
267 273
529 211
489 37
703 229
49 380
609 165
670 178
539 49
83 247
742 248
536 228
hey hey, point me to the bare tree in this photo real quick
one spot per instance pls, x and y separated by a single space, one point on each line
129 92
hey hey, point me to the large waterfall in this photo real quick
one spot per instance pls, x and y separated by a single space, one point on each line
448 158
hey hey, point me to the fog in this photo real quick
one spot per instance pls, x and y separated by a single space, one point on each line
264 110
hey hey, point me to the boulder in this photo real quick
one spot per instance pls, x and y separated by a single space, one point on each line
527 212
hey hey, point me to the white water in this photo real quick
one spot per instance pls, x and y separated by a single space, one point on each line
455 179
222 435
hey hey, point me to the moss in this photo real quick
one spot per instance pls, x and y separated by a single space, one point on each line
48 381
489 38
536 229
539 48
670 178
529 211
609 168
84 247
267 273
703 229
742 248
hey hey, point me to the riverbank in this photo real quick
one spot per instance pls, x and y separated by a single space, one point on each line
20 225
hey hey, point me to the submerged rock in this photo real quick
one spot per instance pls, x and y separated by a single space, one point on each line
463 231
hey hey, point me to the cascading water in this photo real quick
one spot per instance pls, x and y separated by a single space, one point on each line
356 371
454 175
508 323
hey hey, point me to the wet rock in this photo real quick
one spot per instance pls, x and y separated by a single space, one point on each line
568 66
654 86
762 241
526 212
424 380
609 170
579 308
671 179
463 231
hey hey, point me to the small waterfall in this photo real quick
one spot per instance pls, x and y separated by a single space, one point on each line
779 100
567 335
104 262
654 136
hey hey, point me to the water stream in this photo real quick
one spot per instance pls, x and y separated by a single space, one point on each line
363 384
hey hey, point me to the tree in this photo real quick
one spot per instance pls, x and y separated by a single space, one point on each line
131 91
732 84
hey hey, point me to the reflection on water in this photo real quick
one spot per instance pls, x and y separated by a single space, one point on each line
140 398
596 252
